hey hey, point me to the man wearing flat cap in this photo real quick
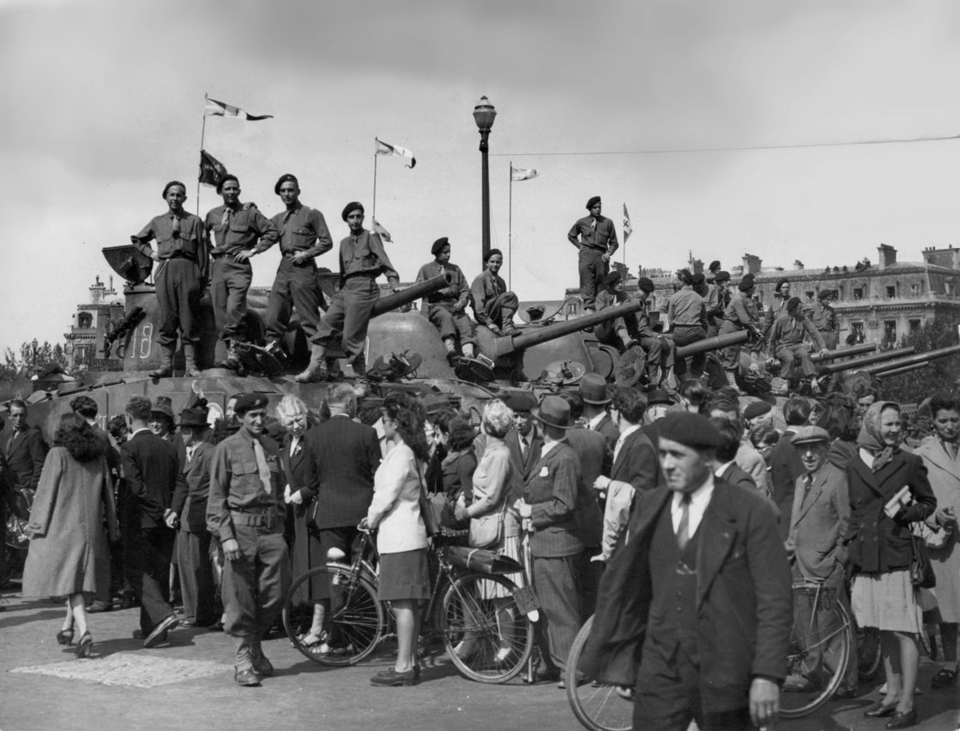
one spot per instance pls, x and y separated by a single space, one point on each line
596 239
245 510
447 308
184 267
695 606
303 237
739 314
362 260
238 232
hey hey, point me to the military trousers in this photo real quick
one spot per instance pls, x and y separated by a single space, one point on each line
452 324
349 315
255 584
228 290
499 306
790 355
687 335
593 270
178 294
294 288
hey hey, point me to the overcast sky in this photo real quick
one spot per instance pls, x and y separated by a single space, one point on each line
103 104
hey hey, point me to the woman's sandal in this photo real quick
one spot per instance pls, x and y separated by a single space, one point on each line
311 639
65 637
85 645
944 679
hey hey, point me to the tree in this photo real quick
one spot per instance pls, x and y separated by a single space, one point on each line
943 374
24 364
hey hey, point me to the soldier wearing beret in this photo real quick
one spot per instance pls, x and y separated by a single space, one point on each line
303 237
787 343
620 332
781 295
695 606
687 316
717 299
183 255
493 303
362 260
447 308
824 317
246 512
596 239
739 314
239 231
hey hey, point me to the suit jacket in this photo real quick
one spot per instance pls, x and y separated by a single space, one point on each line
552 488
735 475
296 473
26 451
342 457
637 463
191 503
609 430
744 603
878 543
522 465
151 474
785 468
819 523
591 449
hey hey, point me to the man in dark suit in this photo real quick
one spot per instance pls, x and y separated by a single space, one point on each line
695 607
727 468
25 449
785 464
151 476
524 440
635 468
593 391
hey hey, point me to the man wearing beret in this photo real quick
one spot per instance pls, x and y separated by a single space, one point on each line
184 263
596 239
718 297
781 295
695 607
239 231
824 317
739 314
447 308
661 351
362 260
303 237
246 512
524 440
713 269
787 343
687 316
493 303
620 332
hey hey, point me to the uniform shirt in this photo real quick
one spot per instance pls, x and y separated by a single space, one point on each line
594 233
741 311
686 309
241 230
458 291
190 240
775 310
364 254
486 287
823 317
716 302
788 330
235 482
302 229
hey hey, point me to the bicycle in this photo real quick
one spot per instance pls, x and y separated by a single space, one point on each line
476 615
598 706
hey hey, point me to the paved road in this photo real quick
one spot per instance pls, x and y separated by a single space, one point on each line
189 685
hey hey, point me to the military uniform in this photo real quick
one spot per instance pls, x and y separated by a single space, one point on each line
594 237
739 314
786 343
438 307
824 319
493 303
246 504
688 322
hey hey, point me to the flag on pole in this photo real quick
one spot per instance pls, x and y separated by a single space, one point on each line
518 174
386 149
378 229
627 228
219 109
211 169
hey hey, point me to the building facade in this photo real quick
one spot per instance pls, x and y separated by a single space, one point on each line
92 323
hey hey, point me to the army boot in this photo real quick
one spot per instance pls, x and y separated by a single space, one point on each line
361 386
190 357
245 673
508 328
232 361
166 362
261 665
317 369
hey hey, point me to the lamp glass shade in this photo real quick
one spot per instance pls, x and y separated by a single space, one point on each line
484 114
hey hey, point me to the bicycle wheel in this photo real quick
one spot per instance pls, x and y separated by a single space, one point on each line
597 706
819 651
869 659
485 634
355 617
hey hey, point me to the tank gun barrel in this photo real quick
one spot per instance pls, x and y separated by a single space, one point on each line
902 370
912 360
714 343
860 363
397 300
844 352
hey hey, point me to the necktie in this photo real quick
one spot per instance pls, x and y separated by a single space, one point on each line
176 227
683 530
226 217
283 226
523 447
807 482
262 466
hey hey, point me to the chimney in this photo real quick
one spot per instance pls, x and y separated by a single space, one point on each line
888 256
797 264
751 263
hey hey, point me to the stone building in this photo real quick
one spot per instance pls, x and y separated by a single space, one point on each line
91 324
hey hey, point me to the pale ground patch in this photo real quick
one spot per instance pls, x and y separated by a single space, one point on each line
128 669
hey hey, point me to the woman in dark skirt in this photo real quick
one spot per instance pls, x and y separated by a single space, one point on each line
879 543
402 537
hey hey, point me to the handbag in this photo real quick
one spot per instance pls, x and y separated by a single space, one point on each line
432 519
487 530
483 561
921 570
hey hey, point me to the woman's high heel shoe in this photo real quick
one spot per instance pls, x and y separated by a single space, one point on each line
85 645
65 637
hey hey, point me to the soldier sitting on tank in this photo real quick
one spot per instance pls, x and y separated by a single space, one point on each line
716 301
493 304
447 308
620 332
688 323
182 251
787 344
824 317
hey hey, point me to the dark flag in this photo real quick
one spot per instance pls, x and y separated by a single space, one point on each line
211 169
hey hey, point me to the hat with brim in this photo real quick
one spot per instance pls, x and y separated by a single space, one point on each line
593 390
659 396
810 435
163 407
194 418
554 411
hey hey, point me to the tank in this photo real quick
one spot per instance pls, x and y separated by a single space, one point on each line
910 360
862 363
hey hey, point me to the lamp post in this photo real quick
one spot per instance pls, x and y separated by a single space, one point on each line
35 345
483 115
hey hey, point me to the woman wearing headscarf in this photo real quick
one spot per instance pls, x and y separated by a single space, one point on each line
889 490
72 516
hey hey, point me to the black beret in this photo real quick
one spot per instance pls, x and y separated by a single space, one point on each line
697 279
249 401
824 293
224 179
491 253
521 402
746 283
170 185
793 303
645 284
755 409
286 178
714 265
592 202
612 278
688 429
780 283
721 276
439 244
350 208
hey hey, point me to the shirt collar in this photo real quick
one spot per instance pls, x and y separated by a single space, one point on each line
721 470
699 497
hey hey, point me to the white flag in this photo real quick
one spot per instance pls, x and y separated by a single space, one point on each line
214 108
627 227
378 229
518 174
384 148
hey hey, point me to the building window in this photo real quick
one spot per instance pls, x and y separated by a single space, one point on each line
891 291
915 289
858 293
914 326
890 331
810 295
857 327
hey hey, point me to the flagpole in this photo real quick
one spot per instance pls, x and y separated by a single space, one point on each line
510 231
203 129
374 214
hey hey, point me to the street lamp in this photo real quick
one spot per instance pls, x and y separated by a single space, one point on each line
483 115
35 345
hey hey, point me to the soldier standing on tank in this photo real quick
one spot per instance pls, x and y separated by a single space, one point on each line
824 318
245 511
362 260
718 297
184 265
303 236
447 308
596 239
239 232
493 303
